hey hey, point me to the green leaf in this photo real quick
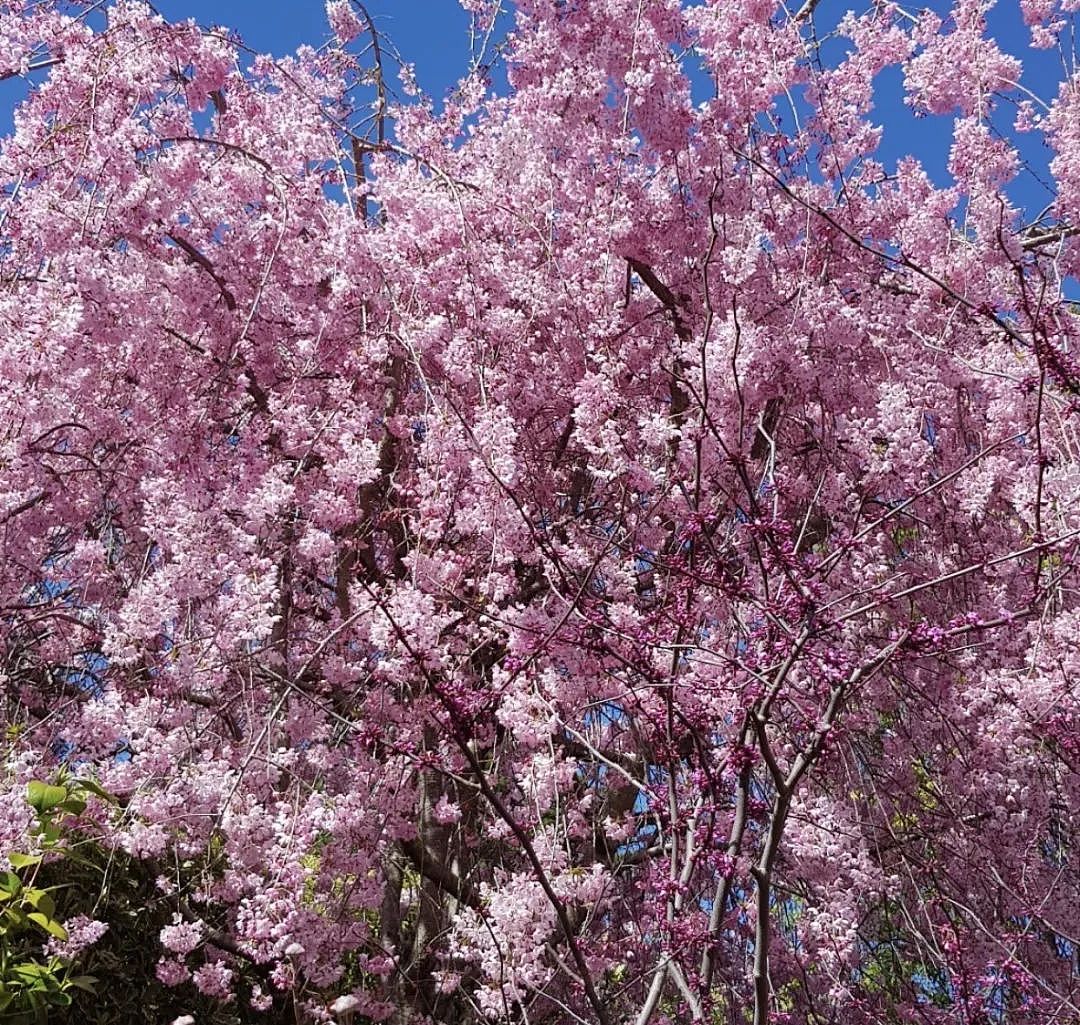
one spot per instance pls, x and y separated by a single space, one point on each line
15 917
50 925
23 860
44 797
40 900
30 971
87 983
73 805
96 789
10 884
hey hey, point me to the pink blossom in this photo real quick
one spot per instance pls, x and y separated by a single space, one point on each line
181 937
171 972
343 20
535 552
214 980
82 932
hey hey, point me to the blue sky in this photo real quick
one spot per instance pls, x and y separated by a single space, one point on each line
433 36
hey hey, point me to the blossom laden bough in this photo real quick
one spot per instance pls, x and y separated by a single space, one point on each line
598 550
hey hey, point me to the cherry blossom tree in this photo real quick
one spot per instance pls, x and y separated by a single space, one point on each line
600 549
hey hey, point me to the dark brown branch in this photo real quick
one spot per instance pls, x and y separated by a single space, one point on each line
805 11
214 936
680 401
380 80
200 260
460 889
25 506
664 294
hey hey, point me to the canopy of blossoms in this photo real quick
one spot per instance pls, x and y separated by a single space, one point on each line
598 549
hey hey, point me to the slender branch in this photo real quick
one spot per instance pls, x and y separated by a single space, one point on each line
1034 240
805 11
201 260
38 66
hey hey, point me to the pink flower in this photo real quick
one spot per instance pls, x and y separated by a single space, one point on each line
343 20
214 980
82 932
181 937
446 812
171 972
